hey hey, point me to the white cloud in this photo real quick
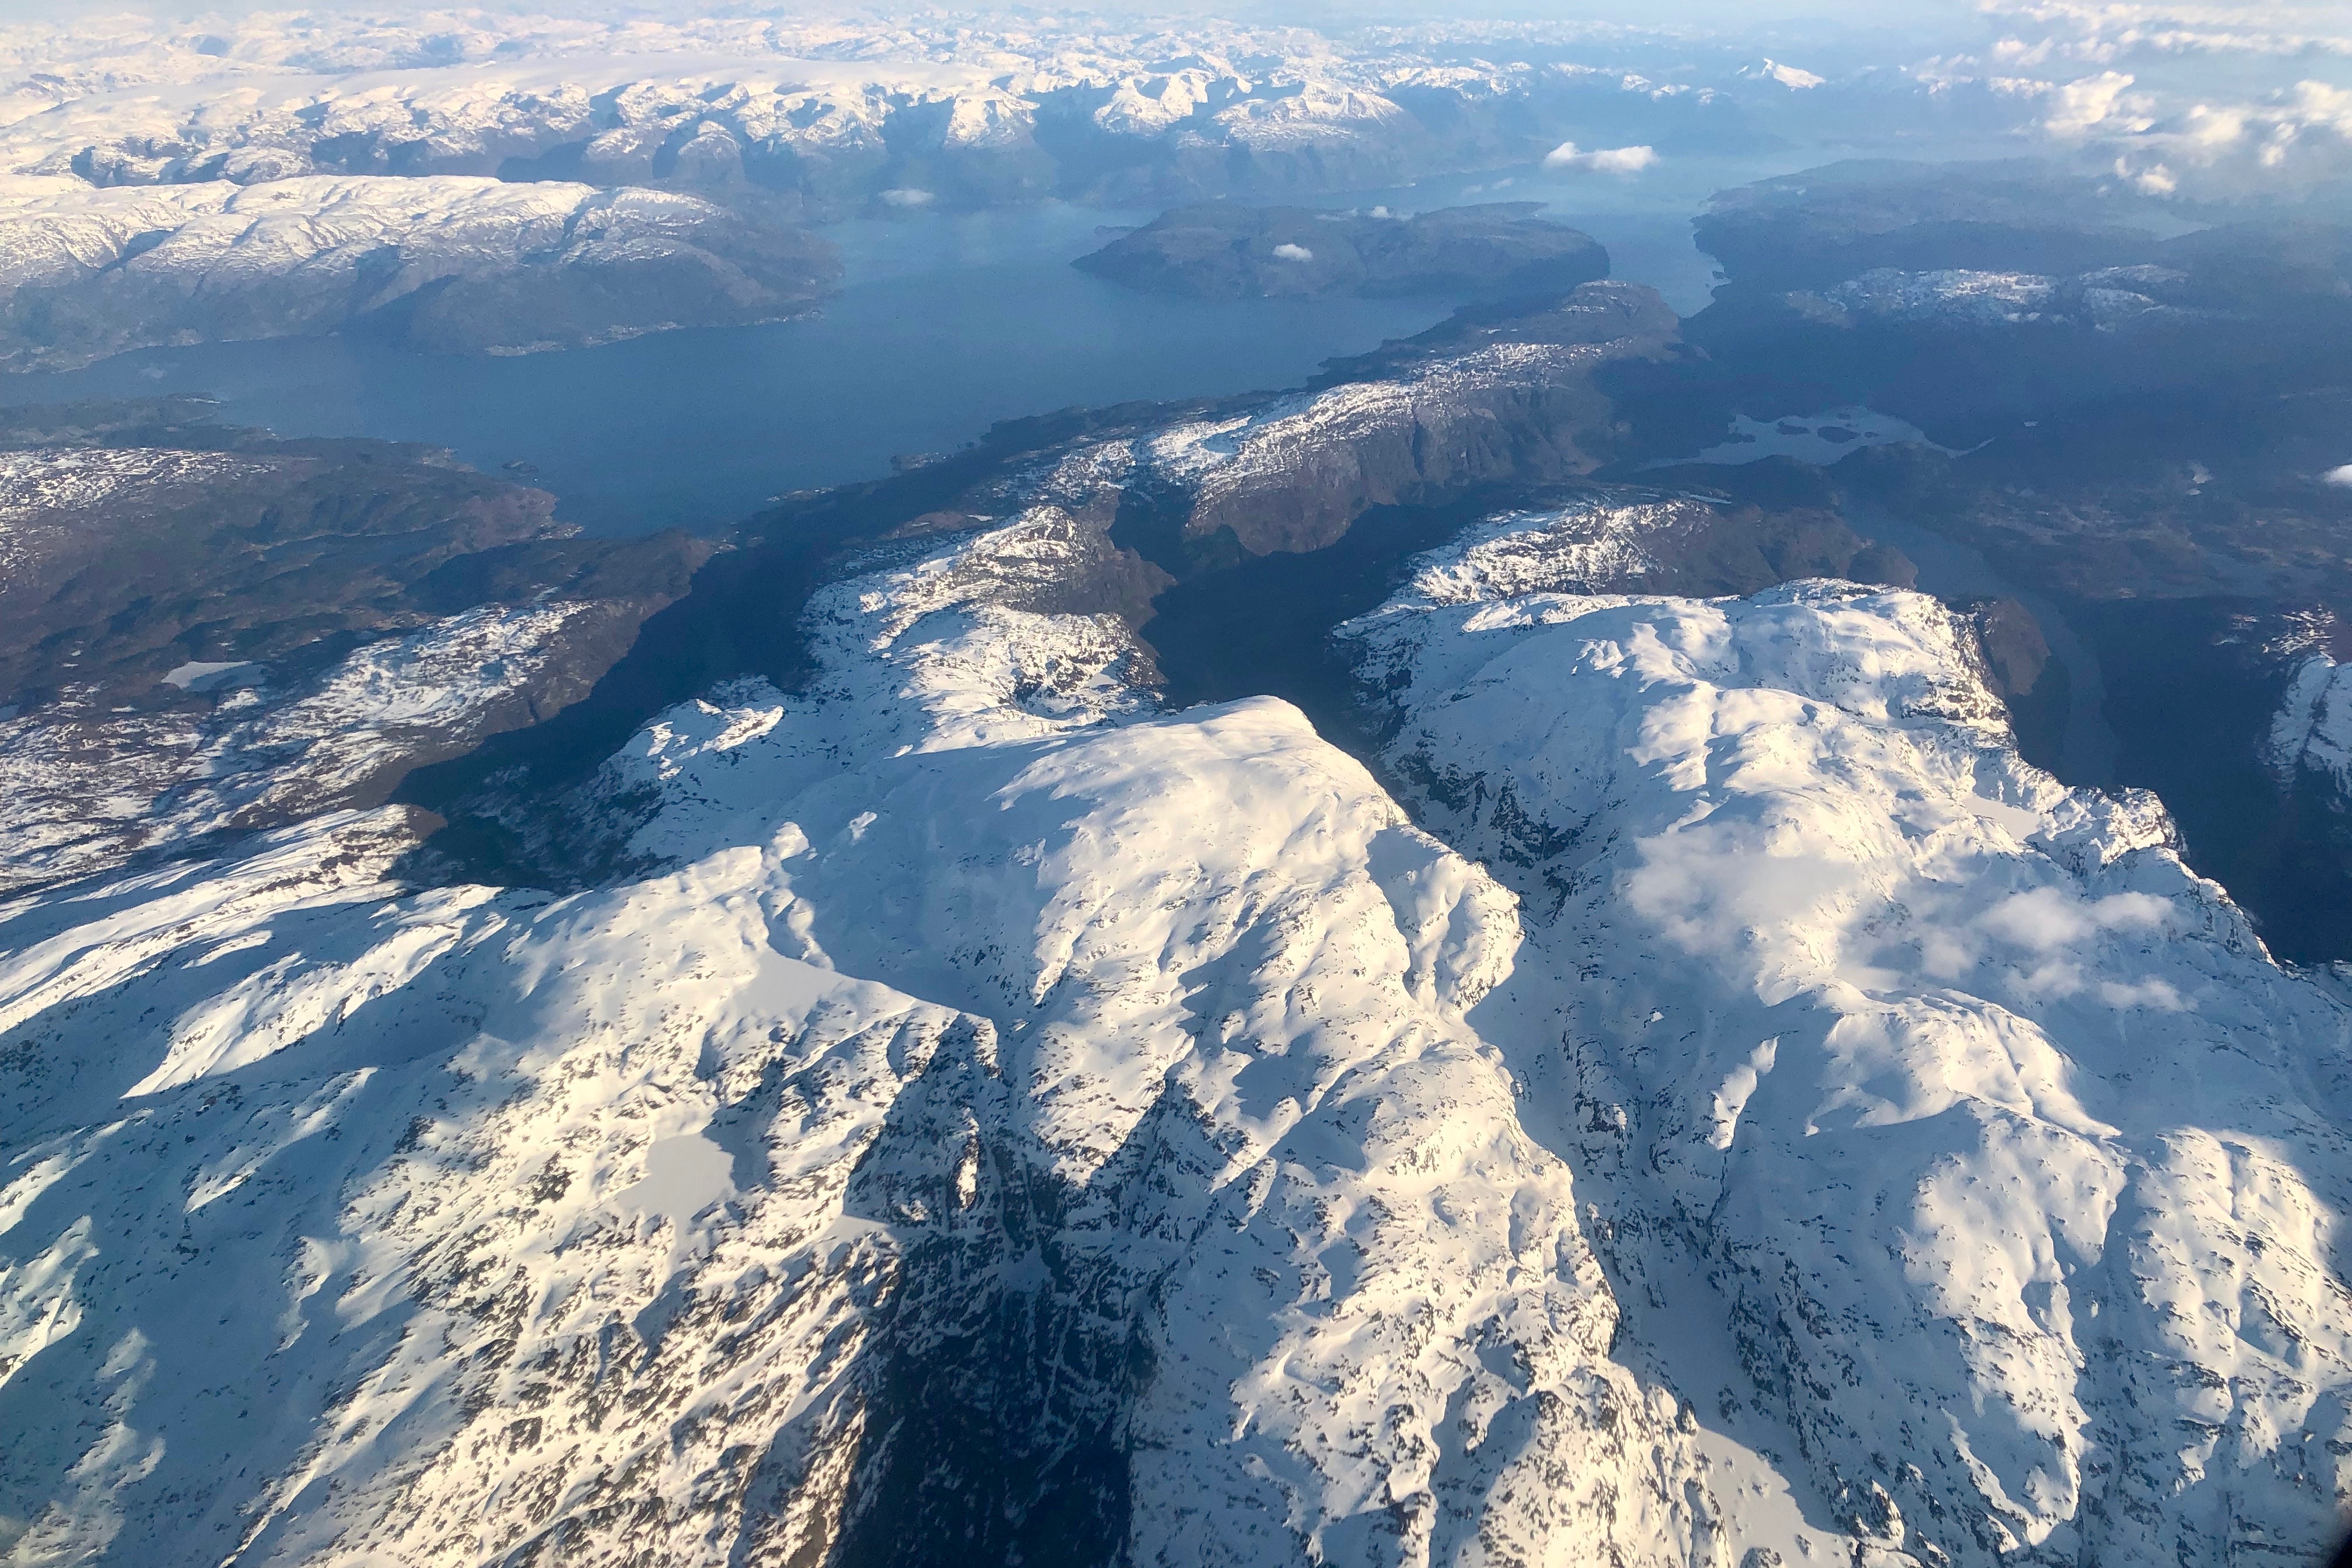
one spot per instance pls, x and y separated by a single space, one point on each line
1601 160
2161 994
2340 477
1293 253
903 197
2205 126
2101 31
2167 131
2046 918
2100 103
2163 143
2054 980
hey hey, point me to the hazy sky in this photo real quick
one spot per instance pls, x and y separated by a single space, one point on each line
1917 17
1905 29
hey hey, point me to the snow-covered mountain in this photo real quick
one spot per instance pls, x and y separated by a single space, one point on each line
292 162
2308 748
1015 1118
445 263
873 1174
1953 1147
2313 728
834 111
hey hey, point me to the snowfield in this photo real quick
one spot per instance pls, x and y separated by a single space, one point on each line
1780 1122
2000 1165
61 479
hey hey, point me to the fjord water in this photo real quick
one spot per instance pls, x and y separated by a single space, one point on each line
946 324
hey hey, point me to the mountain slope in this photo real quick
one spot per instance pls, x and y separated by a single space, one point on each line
1014 1120
1002 1119
1982 1140
444 263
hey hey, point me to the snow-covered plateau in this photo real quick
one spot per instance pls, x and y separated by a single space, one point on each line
1765 1121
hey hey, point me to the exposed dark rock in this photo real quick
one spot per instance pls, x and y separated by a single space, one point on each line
1477 401
2016 653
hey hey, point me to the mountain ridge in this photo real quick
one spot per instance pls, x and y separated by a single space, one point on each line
1187 1029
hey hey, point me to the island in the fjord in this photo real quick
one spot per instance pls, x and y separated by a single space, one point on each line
1222 250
